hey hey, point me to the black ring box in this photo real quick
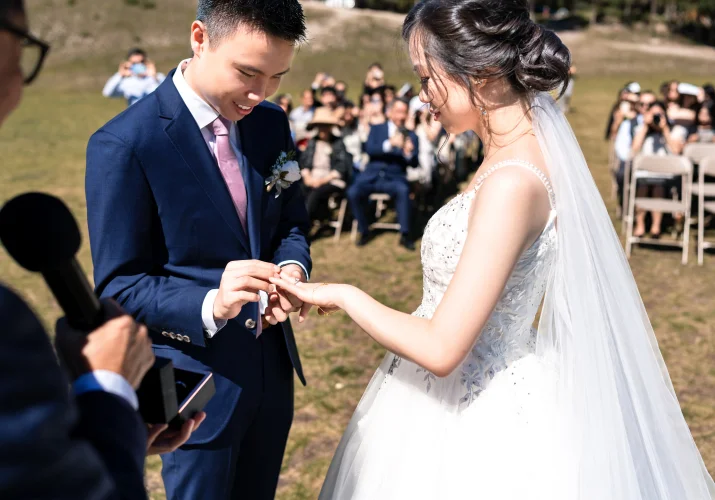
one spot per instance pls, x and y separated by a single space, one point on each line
172 395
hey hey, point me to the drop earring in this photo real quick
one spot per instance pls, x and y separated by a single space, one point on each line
480 82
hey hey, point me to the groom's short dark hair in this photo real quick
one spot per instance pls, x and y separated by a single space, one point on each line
280 18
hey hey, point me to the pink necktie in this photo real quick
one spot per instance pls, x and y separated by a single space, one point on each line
230 169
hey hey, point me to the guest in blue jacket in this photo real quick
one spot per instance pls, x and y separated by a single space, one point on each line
392 148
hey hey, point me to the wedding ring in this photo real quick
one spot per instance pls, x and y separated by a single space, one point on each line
297 280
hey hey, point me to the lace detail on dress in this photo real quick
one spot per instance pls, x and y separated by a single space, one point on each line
541 175
508 334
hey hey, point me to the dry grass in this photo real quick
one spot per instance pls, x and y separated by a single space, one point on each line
43 149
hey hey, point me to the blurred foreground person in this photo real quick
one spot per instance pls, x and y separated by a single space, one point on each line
88 443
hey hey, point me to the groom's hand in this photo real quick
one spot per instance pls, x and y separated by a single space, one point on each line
240 284
281 303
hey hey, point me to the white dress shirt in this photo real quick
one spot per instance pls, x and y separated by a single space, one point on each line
205 115
133 87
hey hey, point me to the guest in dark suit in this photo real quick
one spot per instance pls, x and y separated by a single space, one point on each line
185 235
391 148
88 443
325 165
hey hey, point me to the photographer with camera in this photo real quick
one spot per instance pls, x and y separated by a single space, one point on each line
56 443
654 137
374 79
136 78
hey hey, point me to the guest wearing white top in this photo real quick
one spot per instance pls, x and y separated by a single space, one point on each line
137 77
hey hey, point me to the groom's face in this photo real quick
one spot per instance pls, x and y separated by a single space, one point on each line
241 70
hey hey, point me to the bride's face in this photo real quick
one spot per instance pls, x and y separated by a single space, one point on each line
449 102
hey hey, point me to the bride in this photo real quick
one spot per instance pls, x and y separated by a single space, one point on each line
473 402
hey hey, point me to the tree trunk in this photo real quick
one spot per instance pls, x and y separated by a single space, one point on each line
653 10
627 10
671 11
595 10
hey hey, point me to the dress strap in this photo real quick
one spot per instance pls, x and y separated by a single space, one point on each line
541 175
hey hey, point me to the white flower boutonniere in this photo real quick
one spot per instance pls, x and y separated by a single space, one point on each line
284 173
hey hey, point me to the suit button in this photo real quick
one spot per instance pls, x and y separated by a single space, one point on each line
250 324
186 338
165 334
172 335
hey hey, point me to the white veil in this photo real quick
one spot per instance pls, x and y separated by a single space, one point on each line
629 439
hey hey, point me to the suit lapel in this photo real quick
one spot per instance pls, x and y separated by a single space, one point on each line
190 143
252 170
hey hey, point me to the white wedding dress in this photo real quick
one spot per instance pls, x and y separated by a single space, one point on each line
585 410
488 430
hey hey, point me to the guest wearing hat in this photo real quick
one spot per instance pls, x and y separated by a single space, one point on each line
325 164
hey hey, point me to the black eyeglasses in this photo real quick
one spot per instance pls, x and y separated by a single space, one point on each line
34 51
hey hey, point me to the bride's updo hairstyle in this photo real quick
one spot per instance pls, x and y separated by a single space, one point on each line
483 39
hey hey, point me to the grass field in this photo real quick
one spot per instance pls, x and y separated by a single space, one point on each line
43 149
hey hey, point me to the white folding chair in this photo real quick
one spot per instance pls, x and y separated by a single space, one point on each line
342 207
696 152
613 168
659 167
627 177
381 199
705 190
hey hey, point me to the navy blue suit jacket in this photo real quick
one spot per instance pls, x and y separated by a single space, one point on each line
162 229
50 446
393 163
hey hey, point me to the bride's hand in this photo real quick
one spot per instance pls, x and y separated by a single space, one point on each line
323 295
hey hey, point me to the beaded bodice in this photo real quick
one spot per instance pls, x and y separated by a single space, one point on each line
508 334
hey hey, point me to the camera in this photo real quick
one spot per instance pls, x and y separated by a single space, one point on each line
138 69
657 119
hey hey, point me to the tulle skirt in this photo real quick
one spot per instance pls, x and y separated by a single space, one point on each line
407 442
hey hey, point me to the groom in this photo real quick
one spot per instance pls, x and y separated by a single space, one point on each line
185 236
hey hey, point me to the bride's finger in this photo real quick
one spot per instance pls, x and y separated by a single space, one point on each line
288 286
304 310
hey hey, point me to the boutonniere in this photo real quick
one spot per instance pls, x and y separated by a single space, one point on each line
283 173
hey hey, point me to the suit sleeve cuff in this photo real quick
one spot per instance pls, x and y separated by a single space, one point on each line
305 271
386 146
106 381
211 326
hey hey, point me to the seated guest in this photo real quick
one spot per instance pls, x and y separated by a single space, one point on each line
285 101
705 131
374 79
627 118
325 165
392 148
654 136
301 116
428 131
329 98
350 132
341 88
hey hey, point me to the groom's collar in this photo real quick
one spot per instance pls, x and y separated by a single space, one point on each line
202 112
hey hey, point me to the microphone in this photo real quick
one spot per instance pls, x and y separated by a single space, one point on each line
41 234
